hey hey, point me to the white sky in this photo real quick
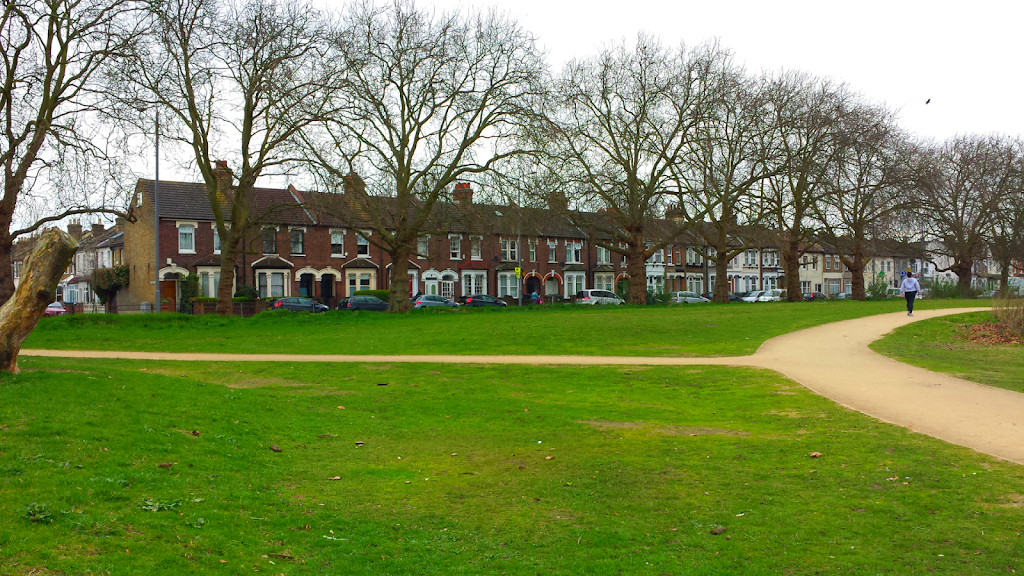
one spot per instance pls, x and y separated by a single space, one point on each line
964 55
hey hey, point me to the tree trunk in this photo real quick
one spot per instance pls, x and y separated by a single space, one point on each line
6 271
636 267
1004 278
398 298
964 269
721 266
791 263
857 270
228 251
38 287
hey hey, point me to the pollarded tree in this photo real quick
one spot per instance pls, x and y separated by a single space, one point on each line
238 80
425 100
867 184
958 198
732 152
53 55
808 113
625 119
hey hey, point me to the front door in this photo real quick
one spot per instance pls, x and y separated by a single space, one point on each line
169 295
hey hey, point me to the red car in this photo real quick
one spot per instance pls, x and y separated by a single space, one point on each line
55 309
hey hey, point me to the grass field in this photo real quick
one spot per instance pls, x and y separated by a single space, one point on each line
697 470
692 330
940 344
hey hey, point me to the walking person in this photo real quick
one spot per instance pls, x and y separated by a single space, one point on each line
909 289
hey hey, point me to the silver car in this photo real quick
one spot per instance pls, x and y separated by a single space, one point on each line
688 298
431 301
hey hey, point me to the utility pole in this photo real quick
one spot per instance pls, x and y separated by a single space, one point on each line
156 219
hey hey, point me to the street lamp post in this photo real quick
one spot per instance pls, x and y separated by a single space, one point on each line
156 219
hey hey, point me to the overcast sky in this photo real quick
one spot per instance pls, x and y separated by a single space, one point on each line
965 55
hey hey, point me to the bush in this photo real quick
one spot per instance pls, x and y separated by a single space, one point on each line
382 294
238 298
246 291
941 288
189 287
1009 313
202 299
107 281
877 290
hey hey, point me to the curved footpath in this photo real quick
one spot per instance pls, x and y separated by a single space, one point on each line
832 360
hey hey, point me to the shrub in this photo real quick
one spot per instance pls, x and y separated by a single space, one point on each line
246 291
382 294
1009 313
877 290
942 288
189 288
107 281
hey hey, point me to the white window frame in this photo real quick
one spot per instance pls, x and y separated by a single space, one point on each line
475 248
574 251
604 256
533 249
604 281
474 282
194 226
267 275
216 238
574 282
552 251
363 239
331 232
455 246
508 284
423 247
509 250
302 231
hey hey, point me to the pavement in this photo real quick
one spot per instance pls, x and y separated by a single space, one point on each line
832 360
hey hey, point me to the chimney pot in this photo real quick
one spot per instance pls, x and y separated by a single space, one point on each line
463 193
97 229
75 229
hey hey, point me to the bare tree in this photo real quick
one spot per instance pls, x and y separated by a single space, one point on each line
1006 241
54 53
239 80
969 177
867 184
428 99
808 113
732 152
625 119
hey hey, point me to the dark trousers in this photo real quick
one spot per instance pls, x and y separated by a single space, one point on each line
910 300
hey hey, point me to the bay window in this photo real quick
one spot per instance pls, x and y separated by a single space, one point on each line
508 284
574 282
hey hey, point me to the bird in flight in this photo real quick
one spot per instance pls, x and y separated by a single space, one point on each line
928 101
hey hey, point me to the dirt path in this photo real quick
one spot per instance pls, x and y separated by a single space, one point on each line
832 359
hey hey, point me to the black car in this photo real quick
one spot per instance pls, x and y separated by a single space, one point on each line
343 304
366 303
298 305
481 300
733 297
814 296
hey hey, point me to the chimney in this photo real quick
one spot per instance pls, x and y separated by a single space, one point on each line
463 193
673 213
75 229
97 229
557 201
223 175
119 223
354 184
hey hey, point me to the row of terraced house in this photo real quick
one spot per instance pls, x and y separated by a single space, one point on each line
298 249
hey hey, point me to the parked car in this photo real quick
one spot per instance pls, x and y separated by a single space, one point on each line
343 303
432 301
596 297
734 297
770 296
297 304
366 303
55 309
814 296
482 300
752 296
688 298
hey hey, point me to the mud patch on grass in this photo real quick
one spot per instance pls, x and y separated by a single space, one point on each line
664 430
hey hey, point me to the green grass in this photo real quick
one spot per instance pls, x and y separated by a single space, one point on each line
692 330
646 463
940 344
